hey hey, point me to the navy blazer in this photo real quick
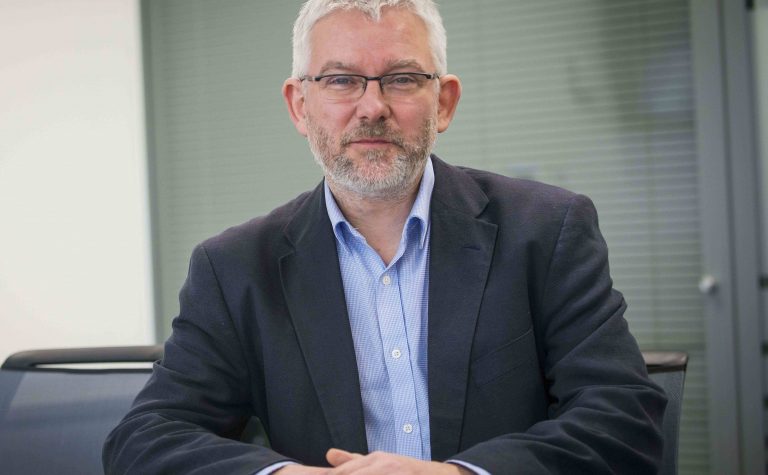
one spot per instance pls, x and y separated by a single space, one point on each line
531 367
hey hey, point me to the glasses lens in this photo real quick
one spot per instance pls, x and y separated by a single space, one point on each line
342 85
403 83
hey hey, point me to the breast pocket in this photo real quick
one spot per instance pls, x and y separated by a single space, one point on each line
505 359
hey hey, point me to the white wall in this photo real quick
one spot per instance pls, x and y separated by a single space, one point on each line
75 265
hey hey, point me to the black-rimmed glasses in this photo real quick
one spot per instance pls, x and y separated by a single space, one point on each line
350 87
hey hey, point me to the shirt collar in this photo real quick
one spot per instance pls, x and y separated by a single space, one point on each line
419 211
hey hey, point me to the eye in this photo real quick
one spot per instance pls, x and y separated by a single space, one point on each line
341 81
403 83
403 80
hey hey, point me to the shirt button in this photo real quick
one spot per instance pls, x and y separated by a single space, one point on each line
386 280
407 428
396 353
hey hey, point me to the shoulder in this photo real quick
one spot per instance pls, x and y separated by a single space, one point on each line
522 192
506 199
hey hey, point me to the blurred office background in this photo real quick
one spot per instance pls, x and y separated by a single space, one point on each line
132 130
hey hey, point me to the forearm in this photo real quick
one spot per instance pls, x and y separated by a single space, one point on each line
150 444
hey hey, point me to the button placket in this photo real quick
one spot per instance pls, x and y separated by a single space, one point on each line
383 321
394 335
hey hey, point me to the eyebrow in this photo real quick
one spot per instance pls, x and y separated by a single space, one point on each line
335 65
391 65
405 64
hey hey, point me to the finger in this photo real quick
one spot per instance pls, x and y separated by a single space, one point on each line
337 457
358 464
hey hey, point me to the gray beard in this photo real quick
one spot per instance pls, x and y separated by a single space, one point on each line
395 182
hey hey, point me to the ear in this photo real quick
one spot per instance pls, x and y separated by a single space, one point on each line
293 94
448 99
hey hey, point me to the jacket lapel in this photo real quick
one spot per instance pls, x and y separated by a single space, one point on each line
461 249
315 296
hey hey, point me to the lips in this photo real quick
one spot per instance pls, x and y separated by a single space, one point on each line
371 142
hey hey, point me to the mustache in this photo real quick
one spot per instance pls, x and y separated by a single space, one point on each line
372 131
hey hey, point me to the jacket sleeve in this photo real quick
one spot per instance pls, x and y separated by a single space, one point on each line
605 414
189 416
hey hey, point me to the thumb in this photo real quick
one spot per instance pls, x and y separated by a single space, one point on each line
337 457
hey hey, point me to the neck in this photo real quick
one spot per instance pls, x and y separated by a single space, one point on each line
380 221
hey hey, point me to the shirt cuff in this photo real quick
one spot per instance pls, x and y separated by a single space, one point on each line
273 468
474 468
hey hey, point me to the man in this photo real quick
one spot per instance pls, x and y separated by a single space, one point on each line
406 316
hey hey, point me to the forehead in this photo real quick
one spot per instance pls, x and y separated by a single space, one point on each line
352 39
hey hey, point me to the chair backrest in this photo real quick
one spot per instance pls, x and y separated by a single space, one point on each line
54 419
667 369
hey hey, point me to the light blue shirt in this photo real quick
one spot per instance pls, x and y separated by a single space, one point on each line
387 307
388 315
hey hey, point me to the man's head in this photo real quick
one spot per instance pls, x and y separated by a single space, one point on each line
314 10
370 136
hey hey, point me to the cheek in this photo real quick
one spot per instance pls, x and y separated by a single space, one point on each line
335 124
411 120
329 113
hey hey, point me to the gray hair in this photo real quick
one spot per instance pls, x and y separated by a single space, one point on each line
313 10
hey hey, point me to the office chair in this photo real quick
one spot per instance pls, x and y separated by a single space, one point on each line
54 419
667 369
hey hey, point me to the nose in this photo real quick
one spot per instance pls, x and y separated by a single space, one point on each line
372 105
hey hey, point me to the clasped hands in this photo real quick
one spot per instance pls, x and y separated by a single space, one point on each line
344 462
